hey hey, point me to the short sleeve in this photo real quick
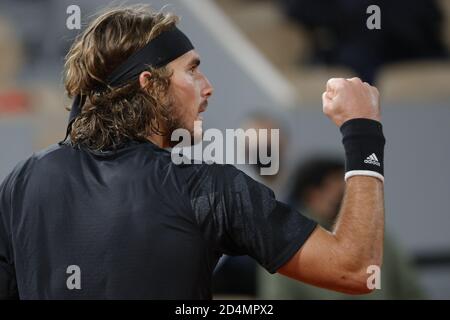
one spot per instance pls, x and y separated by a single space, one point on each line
8 285
240 216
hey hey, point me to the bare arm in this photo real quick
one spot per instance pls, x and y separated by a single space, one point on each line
339 260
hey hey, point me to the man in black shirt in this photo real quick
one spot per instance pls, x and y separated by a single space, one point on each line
106 214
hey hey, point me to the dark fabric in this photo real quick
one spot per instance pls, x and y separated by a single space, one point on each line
165 48
137 225
236 276
8 283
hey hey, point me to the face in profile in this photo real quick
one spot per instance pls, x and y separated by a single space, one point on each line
189 90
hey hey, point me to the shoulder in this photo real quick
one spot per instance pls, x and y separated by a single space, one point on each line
225 179
38 165
206 173
25 166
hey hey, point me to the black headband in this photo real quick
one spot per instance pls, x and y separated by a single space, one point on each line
160 51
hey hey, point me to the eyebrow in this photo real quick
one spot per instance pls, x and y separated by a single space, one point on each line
194 62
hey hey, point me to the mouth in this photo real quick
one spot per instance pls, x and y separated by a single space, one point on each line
203 106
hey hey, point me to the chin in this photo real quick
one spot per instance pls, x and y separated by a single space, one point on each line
195 132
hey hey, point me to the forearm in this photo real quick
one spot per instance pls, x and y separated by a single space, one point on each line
359 229
339 260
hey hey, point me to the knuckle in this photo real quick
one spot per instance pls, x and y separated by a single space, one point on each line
355 80
336 81
332 80
375 89
340 83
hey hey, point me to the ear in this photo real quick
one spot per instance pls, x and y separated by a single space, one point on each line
144 78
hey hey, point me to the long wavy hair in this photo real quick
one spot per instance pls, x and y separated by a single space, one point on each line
112 116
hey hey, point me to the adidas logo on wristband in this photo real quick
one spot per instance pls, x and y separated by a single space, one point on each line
372 159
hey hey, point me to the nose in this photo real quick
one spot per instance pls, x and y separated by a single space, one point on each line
208 89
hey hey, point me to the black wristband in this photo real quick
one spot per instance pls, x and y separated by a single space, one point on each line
364 142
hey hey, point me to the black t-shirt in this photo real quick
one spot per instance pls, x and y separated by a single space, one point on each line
134 224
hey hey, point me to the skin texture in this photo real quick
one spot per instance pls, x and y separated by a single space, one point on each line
190 90
338 260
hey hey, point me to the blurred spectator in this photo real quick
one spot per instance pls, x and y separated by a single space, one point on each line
31 112
317 192
236 276
13 99
410 29
266 120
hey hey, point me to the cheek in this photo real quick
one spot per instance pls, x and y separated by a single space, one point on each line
185 88
182 101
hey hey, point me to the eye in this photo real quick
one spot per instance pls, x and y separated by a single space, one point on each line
192 69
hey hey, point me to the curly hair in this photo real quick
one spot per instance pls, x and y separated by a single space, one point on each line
111 116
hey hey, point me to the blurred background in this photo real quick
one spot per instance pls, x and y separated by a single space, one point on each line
269 61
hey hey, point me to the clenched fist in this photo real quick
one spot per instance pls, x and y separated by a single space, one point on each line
346 99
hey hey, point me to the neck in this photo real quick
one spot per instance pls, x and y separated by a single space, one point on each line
160 141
